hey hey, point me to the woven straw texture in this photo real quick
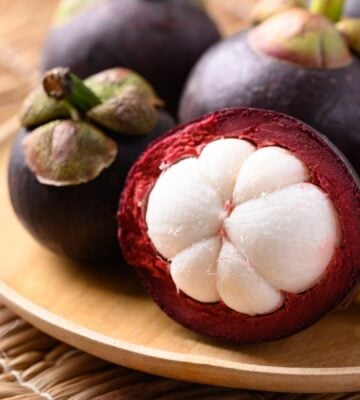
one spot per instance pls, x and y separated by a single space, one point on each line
33 365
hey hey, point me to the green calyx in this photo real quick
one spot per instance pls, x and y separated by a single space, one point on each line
62 85
302 38
38 108
68 149
265 9
64 152
110 83
131 111
64 95
350 29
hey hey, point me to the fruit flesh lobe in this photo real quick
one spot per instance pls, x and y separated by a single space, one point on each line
242 225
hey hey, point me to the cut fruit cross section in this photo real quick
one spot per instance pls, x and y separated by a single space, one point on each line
242 225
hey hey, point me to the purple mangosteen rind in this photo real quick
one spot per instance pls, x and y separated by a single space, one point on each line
161 40
329 170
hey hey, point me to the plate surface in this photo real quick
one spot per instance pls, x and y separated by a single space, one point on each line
107 313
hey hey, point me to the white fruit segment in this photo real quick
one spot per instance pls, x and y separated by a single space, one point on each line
220 162
241 287
289 235
183 208
279 235
194 270
275 168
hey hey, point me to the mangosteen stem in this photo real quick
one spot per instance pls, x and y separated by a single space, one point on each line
332 9
61 84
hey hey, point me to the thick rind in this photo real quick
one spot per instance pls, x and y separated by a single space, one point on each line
232 74
263 128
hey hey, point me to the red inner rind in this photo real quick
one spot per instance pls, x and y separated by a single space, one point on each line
263 128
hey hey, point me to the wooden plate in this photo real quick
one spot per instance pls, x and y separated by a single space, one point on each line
106 313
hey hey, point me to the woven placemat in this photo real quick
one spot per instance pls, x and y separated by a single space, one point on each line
35 366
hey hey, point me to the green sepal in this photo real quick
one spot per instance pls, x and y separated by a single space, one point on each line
110 83
301 38
38 109
65 152
131 112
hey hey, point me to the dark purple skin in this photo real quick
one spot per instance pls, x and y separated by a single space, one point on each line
352 8
232 74
161 40
78 221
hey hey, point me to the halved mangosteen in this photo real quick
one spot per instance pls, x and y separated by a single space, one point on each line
295 62
243 225
69 161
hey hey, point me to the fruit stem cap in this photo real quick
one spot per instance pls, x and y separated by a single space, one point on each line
61 84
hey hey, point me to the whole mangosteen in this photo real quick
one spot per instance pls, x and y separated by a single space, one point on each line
159 39
243 225
69 161
295 62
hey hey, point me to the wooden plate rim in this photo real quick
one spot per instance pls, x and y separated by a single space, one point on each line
249 376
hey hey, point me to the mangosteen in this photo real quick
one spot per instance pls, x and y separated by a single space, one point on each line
70 159
244 225
159 39
295 62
